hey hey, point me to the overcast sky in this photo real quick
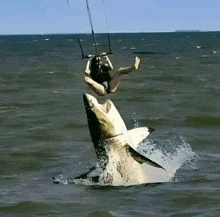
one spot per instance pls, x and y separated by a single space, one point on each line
56 16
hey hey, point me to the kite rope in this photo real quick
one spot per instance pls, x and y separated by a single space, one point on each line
90 20
92 29
109 43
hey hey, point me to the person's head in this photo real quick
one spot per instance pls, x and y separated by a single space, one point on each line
95 63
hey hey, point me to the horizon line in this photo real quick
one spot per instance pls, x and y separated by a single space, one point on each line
88 33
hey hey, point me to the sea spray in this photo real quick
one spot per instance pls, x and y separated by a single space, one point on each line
169 150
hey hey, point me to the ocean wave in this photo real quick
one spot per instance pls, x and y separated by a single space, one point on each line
202 121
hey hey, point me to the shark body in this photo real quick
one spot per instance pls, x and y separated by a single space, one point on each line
116 147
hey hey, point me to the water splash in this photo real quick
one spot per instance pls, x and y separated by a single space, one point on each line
169 150
136 123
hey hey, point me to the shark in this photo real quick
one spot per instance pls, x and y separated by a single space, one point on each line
119 161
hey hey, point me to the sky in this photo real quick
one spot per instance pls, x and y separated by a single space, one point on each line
57 16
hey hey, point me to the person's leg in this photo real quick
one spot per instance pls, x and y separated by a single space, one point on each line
128 69
114 83
96 87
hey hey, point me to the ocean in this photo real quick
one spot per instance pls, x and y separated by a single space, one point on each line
44 131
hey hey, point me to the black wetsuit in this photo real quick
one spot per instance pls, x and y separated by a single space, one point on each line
102 77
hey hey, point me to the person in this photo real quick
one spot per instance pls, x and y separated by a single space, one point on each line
98 78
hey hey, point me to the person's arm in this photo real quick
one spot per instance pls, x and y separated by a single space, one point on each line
109 62
87 69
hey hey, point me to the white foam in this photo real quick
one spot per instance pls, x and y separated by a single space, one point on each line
170 151
171 154
171 157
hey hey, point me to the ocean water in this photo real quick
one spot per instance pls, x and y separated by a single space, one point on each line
44 130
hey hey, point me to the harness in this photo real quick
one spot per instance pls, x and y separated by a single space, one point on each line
102 77
106 84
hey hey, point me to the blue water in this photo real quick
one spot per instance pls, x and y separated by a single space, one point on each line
44 130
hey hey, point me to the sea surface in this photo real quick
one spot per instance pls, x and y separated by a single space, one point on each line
44 131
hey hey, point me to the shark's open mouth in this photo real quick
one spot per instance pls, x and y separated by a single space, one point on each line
106 106
90 102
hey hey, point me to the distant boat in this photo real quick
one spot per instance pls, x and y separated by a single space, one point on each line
46 39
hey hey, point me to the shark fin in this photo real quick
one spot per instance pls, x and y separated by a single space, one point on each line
142 159
137 135
84 176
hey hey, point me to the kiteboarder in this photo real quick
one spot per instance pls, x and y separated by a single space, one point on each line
97 74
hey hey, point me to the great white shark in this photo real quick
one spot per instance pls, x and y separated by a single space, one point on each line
119 162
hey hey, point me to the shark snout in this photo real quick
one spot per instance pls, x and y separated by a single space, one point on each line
89 101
